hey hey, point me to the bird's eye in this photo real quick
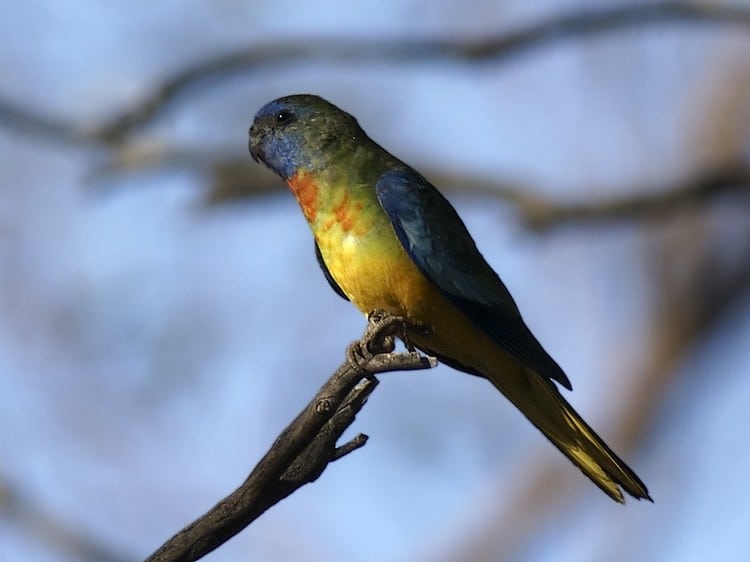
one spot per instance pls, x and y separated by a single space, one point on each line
284 117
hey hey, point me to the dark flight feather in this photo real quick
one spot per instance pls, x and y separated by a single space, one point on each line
422 219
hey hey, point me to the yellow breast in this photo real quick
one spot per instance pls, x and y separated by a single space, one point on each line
372 268
374 271
361 250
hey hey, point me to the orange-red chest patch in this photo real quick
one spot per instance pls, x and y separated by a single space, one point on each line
345 212
306 192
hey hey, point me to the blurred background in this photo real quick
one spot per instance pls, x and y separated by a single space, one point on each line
162 316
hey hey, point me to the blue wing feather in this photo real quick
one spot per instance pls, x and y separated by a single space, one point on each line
436 238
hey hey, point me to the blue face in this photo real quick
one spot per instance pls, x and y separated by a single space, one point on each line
300 131
276 136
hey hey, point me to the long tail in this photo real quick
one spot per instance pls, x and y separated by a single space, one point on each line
544 406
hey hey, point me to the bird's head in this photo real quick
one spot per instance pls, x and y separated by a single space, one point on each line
300 131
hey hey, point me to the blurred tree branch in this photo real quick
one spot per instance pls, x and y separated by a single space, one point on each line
239 178
275 477
695 292
649 203
306 447
236 179
53 533
500 47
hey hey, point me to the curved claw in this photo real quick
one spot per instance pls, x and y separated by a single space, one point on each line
388 326
381 332
357 355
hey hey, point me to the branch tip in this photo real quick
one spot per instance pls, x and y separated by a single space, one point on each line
352 445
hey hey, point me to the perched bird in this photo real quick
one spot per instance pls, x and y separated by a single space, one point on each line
388 240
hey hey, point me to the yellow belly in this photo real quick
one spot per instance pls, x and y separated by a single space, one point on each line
379 274
375 273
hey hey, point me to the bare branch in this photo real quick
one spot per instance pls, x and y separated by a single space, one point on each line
496 48
23 515
305 448
16 117
502 46
654 202
239 179
350 446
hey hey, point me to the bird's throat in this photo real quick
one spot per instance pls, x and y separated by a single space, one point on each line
306 192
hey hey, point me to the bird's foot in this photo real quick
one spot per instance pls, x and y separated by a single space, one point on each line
379 338
386 327
382 330
357 355
373 353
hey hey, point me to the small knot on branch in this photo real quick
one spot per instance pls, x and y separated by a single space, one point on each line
323 406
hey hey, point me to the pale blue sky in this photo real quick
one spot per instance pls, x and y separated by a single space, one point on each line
151 349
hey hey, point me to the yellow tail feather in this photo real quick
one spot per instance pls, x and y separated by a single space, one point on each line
544 406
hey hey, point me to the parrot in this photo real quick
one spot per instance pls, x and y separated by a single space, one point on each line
387 240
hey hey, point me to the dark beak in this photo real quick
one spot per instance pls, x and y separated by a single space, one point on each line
254 143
